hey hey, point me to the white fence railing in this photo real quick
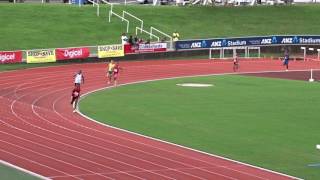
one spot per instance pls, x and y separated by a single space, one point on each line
97 4
117 15
151 35
164 34
129 14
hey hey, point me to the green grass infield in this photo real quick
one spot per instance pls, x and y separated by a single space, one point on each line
270 123
9 173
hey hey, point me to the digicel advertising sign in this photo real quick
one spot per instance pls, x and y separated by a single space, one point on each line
72 53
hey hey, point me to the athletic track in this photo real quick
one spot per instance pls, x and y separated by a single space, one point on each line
40 133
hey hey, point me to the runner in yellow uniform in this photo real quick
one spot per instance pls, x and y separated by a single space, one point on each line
110 70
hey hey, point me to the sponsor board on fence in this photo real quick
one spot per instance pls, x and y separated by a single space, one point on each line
72 53
248 41
7 57
116 50
153 47
41 56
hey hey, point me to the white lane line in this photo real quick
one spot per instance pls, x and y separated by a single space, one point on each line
21 118
74 131
49 157
228 159
34 162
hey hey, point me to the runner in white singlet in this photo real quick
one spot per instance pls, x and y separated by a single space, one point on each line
78 79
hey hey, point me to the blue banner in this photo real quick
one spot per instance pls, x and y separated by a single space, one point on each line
248 41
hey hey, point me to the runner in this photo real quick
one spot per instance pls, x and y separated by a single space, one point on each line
75 97
110 71
286 61
116 71
235 63
78 79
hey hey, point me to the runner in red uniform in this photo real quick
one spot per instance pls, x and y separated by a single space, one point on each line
75 97
235 63
116 71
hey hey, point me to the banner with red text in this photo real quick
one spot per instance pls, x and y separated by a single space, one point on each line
72 53
153 47
7 57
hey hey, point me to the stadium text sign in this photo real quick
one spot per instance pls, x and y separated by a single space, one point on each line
72 53
7 57
248 41
41 56
116 50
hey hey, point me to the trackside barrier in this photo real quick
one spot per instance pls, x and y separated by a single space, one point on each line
310 49
9 57
275 40
69 53
157 30
151 35
98 6
234 52
253 48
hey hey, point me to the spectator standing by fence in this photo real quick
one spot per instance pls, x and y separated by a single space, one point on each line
130 41
176 36
124 39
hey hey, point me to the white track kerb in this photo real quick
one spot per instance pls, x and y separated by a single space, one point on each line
167 142
23 170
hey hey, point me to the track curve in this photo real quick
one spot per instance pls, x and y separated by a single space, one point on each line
40 133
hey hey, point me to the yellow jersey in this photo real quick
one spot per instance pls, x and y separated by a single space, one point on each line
111 66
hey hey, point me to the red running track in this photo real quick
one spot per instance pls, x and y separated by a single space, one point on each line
40 133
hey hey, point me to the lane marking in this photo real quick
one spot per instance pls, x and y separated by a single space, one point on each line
178 145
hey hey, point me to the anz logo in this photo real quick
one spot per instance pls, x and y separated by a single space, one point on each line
266 41
196 45
287 41
216 44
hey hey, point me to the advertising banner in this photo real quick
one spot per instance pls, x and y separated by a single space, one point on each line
128 49
72 53
153 47
248 41
8 57
110 51
41 56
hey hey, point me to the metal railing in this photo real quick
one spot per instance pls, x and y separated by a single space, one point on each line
160 32
151 35
111 8
117 15
141 21
97 4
